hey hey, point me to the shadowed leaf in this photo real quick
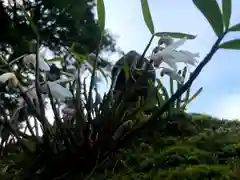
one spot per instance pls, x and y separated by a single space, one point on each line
212 12
233 44
236 27
175 35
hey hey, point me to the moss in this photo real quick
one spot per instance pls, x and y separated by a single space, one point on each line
191 147
211 151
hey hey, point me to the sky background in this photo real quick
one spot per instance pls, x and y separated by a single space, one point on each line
220 78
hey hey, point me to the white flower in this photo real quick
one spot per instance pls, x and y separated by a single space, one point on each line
185 57
166 40
58 91
10 77
31 59
173 74
171 56
158 59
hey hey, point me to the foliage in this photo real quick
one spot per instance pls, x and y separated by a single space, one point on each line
61 23
206 153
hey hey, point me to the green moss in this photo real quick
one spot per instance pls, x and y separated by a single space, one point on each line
191 147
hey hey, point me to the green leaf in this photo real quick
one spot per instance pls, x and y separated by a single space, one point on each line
161 87
147 16
101 14
227 11
212 12
195 95
233 44
171 85
79 57
71 49
55 59
236 27
104 74
126 70
31 22
175 35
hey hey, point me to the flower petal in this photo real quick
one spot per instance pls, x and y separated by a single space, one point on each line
31 59
166 40
173 74
175 45
11 77
186 57
58 91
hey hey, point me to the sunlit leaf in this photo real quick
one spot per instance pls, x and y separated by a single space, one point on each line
233 44
101 14
147 16
175 35
71 49
212 12
55 59
79 57
236 27
227 11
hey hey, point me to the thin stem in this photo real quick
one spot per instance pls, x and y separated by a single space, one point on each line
140 61
89 101
37 84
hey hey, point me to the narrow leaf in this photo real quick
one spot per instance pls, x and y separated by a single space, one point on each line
187 95
236 27
71 49
184 72
104 74
79 57
195 95
126 70
55 59
178 102
212 12
175 35
233 44
147 16
227 11
171 85
163 89
101 14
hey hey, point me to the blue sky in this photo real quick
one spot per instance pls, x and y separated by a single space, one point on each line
220 78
